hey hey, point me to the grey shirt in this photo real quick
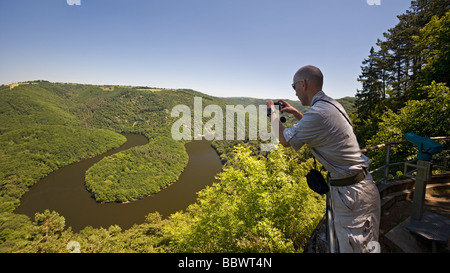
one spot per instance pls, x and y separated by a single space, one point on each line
329 136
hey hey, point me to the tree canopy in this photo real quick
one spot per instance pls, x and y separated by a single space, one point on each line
413 54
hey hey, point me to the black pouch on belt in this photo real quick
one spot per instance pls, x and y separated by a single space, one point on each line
316 182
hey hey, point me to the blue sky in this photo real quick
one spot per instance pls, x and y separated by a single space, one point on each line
225 48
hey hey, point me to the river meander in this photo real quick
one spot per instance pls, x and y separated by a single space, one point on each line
63 190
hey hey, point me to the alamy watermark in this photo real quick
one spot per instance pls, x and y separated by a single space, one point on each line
373 2
73 2
192 127
373 247
74 247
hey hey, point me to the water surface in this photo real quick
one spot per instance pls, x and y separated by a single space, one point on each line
64 191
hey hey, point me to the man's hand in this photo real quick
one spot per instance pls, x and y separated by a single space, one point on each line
270 104
286 107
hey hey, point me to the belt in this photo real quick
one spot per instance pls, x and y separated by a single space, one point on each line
349 180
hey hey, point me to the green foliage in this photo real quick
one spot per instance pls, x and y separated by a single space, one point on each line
16 232
136 173
45 235
144 238
415 53
427 117
45 126
31 153
348 103
259 205
30 105
433 45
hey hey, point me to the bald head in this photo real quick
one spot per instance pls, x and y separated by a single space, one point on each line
311 74
308 81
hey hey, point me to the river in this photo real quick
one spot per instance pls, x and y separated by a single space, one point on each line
64 192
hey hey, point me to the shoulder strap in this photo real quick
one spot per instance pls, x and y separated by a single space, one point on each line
315 164
338 110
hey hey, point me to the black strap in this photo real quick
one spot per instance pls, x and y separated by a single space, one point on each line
315 164
336 108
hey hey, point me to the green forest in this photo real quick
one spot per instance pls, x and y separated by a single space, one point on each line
405 82
136 173
260 203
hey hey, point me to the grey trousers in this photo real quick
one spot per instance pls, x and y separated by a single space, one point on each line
356 216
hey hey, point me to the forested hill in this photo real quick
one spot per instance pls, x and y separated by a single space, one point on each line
45 126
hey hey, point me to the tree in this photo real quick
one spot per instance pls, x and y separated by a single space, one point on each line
427 117
259 205
433 45
413 54
371 98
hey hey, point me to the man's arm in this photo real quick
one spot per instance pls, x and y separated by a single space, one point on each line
283 140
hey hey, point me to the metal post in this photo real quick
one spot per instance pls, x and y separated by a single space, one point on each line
331 236
386 165
422 177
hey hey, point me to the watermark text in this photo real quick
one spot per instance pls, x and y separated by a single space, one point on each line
74 2
373 2
189 126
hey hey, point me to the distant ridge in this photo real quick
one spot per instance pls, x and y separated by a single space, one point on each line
347 102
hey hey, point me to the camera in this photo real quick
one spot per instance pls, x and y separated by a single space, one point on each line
269 112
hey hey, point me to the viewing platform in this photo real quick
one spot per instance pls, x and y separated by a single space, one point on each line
400 232
409 224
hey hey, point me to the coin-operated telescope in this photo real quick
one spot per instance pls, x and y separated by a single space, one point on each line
425 223
426 146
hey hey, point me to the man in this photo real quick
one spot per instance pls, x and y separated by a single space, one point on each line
327 130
